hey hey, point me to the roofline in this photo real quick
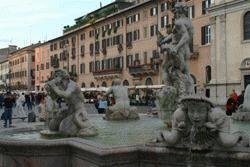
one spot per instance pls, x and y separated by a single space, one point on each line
30 47
110 4
101 19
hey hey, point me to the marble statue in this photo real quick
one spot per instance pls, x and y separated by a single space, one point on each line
199 125
121 110
243 112
72 121
175 48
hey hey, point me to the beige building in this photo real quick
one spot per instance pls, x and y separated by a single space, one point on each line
230 26
120 41
22 65
4 66
42 66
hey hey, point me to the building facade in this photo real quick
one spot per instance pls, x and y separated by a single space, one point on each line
123 44
230 26
22 66
4 66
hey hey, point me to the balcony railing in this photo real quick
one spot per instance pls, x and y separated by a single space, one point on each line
144 69
108 71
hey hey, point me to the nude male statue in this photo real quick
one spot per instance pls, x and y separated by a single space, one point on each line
74 121
121 110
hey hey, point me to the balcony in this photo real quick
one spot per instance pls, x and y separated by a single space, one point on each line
143 69
107 73
156 59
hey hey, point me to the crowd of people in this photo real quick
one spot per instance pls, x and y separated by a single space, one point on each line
233 102
25 104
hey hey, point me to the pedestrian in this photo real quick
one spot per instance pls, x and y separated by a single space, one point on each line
28 102
230 106
1 100
240 99
234 95
8 104
103 105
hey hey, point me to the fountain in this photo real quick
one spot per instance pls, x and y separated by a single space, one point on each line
201 133
176 50
73 120
243 112
122 109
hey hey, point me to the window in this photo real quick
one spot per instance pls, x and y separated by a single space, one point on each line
55 46
136 35
129 37
91 33
33 58
42 66
97 66
91 66
164 21
73 51
83 85
82 36
82 49
97 46
208 74
47 65
164 6
205 5
153 30
145 54
37 67
247 26
51 47
205 35
73 69
129 60
133 18
191 11
153 11
82 68
91 49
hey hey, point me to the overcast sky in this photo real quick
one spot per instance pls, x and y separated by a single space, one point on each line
23 22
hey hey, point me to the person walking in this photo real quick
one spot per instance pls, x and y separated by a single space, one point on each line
8 104
28 102
230 106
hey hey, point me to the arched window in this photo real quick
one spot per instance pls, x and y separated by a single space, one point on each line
148 81
208 74
83 85
104 84
125 83
92 85
247 26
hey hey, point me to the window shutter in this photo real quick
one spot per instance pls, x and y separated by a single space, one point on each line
203 7
203 29
162 22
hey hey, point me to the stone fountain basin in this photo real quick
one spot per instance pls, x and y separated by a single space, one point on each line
94 152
